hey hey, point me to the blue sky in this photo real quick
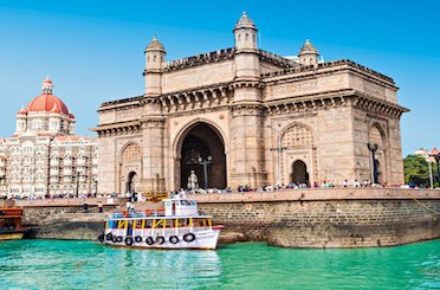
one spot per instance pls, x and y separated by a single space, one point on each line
93 50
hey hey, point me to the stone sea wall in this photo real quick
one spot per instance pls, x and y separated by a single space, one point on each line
301 218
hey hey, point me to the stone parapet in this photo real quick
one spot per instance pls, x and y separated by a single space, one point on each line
321 194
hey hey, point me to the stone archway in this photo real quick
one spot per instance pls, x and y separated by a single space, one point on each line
132 182
201 142
376 136
299 174
299 153
130 167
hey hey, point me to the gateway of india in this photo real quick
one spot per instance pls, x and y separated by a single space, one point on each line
244 116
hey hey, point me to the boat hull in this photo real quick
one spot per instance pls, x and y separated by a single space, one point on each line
11 236
204 240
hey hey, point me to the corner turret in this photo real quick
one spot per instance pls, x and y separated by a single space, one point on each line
308 55
154 62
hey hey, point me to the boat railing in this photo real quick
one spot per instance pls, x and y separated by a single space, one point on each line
136 214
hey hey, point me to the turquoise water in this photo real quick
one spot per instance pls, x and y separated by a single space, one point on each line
48 264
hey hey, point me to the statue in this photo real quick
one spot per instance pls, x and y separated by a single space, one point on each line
193 182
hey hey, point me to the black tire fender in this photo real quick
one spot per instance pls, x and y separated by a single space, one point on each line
149 241
109 237
160 240
138 239
119 239
189 237
174 240
128 241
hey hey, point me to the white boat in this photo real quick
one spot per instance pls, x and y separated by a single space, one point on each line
178 226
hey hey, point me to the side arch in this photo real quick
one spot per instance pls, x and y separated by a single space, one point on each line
298 145
377 135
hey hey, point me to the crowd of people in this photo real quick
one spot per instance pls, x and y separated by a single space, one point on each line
133 197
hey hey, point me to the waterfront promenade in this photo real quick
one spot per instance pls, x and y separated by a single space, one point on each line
317 218
278 195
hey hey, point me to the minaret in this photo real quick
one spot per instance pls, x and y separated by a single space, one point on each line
154 63
308 55
247 65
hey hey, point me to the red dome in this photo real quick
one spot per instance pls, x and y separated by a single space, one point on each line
48 103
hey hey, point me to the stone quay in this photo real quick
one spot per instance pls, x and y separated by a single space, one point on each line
309 218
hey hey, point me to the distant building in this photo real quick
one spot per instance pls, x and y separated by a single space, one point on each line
429 155
44 156
244 116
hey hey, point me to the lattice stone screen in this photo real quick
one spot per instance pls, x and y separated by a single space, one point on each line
297 136
131 153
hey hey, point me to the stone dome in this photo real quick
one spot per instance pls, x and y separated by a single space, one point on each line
308 48
245 22
155 45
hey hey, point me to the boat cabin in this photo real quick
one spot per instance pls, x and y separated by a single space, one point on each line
180 207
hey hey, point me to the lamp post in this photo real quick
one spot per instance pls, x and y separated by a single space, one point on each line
279 149
205 164
96 187
77 184
431 179
374 174
435 154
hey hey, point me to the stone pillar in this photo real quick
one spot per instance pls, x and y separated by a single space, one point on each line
154 148
247 146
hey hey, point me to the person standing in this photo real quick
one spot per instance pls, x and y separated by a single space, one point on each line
100 207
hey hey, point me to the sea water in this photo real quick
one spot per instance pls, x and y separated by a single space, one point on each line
51 264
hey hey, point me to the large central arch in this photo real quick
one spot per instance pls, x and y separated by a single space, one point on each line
201 140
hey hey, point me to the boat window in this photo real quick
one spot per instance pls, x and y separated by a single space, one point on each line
184 202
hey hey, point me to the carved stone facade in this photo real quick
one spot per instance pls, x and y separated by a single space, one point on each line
257 118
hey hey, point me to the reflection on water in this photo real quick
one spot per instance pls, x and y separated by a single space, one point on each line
39 264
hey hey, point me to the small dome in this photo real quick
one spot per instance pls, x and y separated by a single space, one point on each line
245 22
308 48
155 45
22 111
47 102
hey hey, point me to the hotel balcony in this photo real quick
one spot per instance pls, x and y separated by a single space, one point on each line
54 163
54 172
67 172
